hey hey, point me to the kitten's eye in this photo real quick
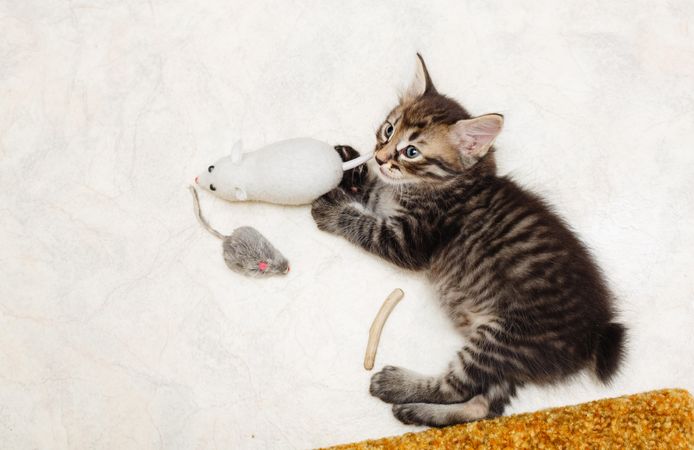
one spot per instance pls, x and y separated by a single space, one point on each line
210 169
410 152
212 188
386 132
389 130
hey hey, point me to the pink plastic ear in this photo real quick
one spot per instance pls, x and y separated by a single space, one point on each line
262 265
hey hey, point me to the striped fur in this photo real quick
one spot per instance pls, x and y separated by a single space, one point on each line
517 283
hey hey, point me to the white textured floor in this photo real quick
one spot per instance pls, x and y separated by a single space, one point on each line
120 326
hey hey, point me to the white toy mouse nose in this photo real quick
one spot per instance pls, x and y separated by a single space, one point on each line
196 180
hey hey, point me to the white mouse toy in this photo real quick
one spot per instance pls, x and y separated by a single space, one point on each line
292 172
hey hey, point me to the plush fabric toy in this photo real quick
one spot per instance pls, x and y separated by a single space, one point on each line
292 172
245 251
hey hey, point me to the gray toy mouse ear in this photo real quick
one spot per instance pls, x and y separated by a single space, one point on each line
240 194
237 151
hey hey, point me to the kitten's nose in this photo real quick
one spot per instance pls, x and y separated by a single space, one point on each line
379 161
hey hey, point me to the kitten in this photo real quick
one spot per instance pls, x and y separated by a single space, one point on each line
517 283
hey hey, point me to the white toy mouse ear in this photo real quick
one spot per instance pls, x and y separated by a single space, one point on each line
237 151
240 194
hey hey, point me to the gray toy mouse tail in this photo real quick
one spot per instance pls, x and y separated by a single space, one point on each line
198 214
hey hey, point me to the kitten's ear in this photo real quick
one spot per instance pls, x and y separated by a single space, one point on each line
421 84
474 137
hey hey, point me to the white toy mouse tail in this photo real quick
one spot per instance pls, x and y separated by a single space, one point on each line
352 163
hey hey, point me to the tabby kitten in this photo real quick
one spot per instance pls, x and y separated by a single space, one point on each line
521 288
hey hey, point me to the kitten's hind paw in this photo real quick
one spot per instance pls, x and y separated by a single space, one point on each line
427 414
438 415
407 413
391 384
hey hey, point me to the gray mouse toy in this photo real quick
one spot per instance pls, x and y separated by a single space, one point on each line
246 251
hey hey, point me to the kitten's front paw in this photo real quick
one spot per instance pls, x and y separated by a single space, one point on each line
353 179
326 209
390 385
346 152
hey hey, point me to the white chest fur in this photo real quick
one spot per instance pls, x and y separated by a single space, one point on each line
383 202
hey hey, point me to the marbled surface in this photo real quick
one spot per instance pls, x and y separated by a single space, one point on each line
121 327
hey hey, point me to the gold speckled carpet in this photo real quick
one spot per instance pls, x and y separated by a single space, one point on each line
657 419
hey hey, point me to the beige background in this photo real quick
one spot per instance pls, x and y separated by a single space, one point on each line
120 326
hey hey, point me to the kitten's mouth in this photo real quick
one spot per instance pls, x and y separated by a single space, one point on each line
390 173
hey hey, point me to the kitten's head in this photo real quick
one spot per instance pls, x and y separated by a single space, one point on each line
429 138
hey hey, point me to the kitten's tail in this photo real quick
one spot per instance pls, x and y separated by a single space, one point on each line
610 351
198 214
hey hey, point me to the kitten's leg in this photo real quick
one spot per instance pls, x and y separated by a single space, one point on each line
481 363
488 404
478 384
436 415
392 238
398 385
